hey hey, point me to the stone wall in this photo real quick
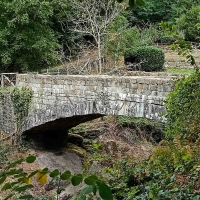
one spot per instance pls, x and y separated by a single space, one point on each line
7 117
62 96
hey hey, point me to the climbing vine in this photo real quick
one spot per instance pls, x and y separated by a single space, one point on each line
14 104
21 99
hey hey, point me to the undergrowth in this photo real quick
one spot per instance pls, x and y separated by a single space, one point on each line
171 172
151 130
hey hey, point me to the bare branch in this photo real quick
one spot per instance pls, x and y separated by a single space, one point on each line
93 18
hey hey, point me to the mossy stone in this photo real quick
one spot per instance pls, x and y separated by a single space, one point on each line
76 149
75 138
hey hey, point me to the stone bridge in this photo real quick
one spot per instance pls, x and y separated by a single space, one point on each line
63 101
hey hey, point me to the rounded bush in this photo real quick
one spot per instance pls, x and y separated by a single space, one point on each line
145 58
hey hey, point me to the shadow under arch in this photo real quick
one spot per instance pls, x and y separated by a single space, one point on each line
53 134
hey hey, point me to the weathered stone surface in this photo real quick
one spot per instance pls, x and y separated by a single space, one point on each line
58 98
64 96
7 117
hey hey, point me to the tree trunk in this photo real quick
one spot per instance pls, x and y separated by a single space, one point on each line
99 54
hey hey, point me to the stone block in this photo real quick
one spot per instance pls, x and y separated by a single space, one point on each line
154 93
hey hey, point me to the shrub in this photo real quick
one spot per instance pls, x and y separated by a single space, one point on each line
163 37
147 35
171 172
147 57
182 106
188 21
120 38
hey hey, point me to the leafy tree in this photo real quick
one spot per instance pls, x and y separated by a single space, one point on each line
182 104
119 38
181 7
188 21
155 11
183 47
122 38
29 32
134 3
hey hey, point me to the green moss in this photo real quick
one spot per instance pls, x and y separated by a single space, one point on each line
80 127
75 138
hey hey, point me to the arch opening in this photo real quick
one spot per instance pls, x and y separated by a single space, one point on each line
54 134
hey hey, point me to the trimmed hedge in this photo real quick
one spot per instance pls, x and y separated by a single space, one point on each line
151 58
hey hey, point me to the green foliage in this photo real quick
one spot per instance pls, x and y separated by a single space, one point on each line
150 58
31 32
26 39
181 7
153 34
183 47
155 11
119 38
148 35
158 177
21 99
118 25
182 106
187 22
18 182
134 3
182 156
78 128
122 39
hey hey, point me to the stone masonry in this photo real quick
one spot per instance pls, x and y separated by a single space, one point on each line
62 97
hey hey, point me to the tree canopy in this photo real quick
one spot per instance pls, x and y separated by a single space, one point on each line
32 32
29 33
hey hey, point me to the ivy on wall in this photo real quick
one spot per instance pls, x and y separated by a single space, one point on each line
20 100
